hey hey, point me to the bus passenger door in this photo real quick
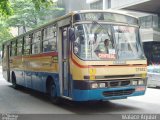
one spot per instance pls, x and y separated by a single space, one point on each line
66 84
5 62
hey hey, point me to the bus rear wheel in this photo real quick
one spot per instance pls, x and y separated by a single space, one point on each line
53 93
14 84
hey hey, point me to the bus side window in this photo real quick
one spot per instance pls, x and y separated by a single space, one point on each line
19 46
36 42
49 39
13 48
27 44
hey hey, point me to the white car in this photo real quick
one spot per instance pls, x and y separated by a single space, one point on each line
153 75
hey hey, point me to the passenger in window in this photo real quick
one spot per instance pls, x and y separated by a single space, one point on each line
45 48
94 41
49 47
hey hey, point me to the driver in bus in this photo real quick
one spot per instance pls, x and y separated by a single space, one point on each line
106 45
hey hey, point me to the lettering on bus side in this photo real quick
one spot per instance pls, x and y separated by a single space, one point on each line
26 63
54 59
51 63
140 69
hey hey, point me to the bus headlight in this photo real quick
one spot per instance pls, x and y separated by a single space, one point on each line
102 85
140 82
94 85
134 82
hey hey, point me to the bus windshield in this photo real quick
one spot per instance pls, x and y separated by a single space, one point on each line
96 41
128 43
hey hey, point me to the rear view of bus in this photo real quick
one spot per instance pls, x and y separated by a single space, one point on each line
107 59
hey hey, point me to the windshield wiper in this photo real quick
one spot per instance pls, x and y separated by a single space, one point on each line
95 22
105 29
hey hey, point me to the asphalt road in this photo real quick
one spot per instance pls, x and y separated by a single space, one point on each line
23 101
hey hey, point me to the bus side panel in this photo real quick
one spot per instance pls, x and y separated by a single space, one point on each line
39 80
28 79
17 68
38 68
35 80
19 77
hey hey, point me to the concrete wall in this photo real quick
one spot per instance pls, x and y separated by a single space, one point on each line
74 5
117 4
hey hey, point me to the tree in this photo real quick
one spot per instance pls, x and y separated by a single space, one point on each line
4 33
29 17
6 9
25 14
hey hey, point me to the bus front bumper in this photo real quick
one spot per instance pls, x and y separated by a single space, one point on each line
105 94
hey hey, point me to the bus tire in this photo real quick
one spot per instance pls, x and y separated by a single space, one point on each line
14 83
53 93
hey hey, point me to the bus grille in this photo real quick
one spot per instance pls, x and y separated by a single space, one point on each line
119 83
113 84
124 83
118 92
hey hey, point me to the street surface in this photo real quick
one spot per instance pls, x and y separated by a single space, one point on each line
23 101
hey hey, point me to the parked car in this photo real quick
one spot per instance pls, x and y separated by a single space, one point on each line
153 75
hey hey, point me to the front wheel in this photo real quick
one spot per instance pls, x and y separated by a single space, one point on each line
53 93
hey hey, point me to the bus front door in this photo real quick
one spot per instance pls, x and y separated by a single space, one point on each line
65 63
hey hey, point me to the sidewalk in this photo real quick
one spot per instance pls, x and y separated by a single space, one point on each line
2 80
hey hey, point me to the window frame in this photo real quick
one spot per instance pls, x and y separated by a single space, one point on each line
52 28
28 36
36 42
13 49
19 47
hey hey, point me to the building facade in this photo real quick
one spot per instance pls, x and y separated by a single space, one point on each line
73 5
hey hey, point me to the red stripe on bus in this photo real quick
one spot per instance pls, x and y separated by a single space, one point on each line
100 66
44 54
81 66
37 55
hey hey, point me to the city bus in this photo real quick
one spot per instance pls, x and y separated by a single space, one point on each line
67 58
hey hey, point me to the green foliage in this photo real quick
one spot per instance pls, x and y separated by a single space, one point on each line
39 3
25 14
5 8
29 16
4 33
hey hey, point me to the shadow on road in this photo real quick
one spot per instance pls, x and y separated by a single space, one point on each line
158 87
94 107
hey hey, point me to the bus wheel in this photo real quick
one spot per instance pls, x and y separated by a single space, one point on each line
53 93
14 84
